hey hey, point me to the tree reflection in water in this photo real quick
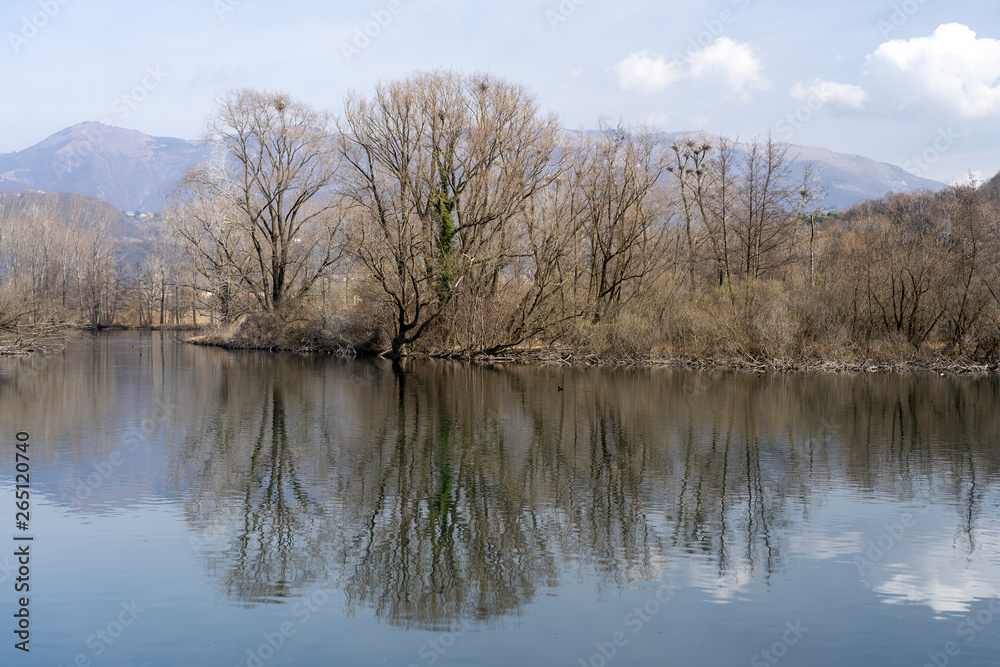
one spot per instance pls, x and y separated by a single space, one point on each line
442 493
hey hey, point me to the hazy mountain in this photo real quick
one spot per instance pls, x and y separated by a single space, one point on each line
129 169
848 179
991 188
135 171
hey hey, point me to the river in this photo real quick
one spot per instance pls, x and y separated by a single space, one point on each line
198 506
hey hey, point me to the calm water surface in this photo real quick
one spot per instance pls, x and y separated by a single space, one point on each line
203 507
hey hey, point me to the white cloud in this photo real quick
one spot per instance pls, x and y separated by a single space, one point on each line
952 67
734 61
644 73
818 92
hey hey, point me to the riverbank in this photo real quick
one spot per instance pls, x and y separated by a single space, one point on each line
941 365
146 327
31 339
290 334
254 333
48 338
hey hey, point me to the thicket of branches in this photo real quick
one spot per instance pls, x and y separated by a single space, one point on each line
445 213
66 260
56 263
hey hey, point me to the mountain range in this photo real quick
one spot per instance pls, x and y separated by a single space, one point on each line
847 179
136 172
131 170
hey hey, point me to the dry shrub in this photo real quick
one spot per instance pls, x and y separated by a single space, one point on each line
628 334
516 315
303 328
14 309
763 319
757 322
367 323
985 341
23 327
890 346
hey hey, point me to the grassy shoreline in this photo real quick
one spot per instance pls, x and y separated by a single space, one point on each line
942 366
251 335
569 357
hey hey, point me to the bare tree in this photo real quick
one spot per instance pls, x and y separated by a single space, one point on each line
691 168
717 204
262 219
529 297
52 247
100 278
436 169
811 194
767 214
624 215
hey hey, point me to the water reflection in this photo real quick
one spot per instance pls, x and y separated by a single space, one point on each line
439 493
446 492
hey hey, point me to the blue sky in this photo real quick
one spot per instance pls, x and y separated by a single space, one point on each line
912 82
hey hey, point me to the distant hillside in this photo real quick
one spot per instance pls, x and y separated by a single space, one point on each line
134 171
991 188
849 179
129 169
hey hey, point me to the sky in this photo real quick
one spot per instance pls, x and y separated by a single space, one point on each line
912 82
